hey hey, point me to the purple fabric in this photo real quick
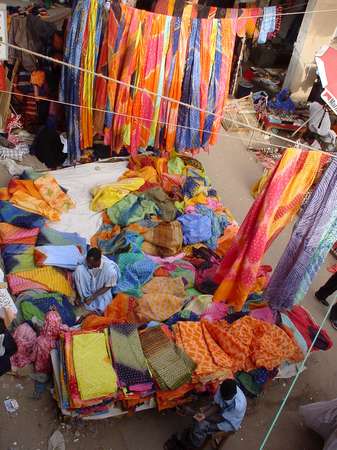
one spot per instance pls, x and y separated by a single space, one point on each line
313 236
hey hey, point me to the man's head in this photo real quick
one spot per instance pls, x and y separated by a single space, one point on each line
228 390
94 257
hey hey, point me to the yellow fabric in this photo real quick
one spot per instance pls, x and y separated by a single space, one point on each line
51 192
260 184
93 366
34 205
107 195
148 173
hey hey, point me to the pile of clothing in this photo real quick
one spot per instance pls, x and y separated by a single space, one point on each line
162 337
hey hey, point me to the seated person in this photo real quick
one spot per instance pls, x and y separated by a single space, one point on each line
94 280
225 413
282 102
320 123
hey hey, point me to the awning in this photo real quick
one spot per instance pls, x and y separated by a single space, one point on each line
326 61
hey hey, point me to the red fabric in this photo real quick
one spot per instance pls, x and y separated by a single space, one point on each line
302 320
3 84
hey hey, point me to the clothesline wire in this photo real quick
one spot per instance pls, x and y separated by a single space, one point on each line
300 370
295 13
155 94
248 140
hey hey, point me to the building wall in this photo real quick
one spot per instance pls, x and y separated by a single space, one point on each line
316 30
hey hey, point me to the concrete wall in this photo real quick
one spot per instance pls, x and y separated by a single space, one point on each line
316 30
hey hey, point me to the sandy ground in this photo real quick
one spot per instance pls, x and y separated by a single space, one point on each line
232 170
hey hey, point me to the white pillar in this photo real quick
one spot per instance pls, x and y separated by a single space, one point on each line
317 29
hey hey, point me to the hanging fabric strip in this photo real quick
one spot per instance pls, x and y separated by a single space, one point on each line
275 207
313 236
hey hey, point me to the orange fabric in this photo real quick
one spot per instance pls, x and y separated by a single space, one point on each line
196 341
148 173
173 398
225 241
120 310
4 195
104 235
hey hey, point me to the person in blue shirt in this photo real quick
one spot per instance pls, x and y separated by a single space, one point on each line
225 413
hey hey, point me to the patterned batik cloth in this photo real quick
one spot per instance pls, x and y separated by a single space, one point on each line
275 207
46 278
313 236
166 239
163 297
129 360
93 366
49 236
169 365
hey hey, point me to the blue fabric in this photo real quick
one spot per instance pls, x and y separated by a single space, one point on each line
196 228
19 217
126 241
136 270
89 281
45 301
182 316
268 24
282 101
18 257
218 223
312 238
63 256
233 411
49 236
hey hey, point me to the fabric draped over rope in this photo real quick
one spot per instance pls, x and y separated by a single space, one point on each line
275 207
313 236
186 59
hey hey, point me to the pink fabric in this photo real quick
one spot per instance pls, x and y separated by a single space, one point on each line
214 312
25 338
47 341
265 314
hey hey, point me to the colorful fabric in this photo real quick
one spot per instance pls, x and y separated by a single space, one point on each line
154 49
162 298
170 366
35 304
52 193
129 360
10 234
63 256
49 236
136 270
313 236
167 210
46 278
165 239
246 344
196 228
270 213
107 195
18 258
93 366
120 310
16 216
25 338
212 362
131 209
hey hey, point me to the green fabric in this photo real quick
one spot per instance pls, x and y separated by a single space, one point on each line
187 275
131 209
167 210
175 166
248 384
192 292
29 311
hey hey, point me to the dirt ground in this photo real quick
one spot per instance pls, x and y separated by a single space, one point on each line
232 170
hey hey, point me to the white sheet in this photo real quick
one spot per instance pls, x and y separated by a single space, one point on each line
79 181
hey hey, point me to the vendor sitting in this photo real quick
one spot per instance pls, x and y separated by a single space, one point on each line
282 102
225 413
94 280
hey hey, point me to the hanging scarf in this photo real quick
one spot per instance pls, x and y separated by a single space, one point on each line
313 236
275 207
